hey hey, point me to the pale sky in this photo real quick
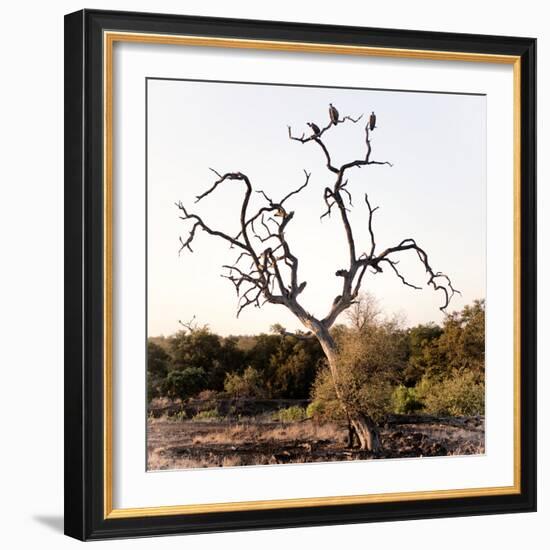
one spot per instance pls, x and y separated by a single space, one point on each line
434 193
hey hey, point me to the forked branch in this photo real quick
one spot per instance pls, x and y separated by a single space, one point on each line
266 269
271 274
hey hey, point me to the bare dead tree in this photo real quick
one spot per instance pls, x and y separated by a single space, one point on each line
192 325
364 311
266 270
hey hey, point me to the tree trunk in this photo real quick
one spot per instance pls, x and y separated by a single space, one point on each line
362 426
366 431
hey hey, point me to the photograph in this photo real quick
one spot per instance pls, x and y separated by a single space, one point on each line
315 273
299 274
281 264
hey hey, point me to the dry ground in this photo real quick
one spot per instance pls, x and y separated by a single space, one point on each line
174 444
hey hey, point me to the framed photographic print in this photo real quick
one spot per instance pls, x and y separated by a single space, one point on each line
300 274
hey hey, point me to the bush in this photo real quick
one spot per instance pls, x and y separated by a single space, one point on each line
369 363
458 395
291 369
180 416
406 401
290 414
325 405
247 384
209 415
316 410
184 383
158 362
199 348
207 395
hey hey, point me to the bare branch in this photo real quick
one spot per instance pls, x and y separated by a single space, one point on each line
316 137
272 276
353 275
200 223
371 231
296 191
265 272
438 280
366 160
191 325
230 176
396 271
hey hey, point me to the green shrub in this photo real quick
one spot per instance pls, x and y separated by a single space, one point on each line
184 383
405 400
198 348
458 395
178 417
315 410
325 406
209 415
369 358
158 362
247 384
290 414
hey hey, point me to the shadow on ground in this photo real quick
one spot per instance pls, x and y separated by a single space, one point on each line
55 523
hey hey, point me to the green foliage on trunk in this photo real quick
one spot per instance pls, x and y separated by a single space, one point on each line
383 368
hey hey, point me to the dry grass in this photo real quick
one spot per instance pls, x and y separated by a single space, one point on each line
190 444
159 460
235 434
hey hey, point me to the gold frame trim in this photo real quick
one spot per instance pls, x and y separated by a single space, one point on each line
109 39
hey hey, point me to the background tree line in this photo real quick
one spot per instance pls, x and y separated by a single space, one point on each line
385 367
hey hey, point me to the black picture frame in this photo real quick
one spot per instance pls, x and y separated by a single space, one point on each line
84 276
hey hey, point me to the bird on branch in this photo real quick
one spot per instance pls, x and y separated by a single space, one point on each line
281 212
334 115
372 121
316 130
301 287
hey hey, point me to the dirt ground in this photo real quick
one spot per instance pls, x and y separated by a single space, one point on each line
177 444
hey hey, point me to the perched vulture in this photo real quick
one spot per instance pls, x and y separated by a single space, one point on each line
334 115
372 121
280 213
301 287
316 130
